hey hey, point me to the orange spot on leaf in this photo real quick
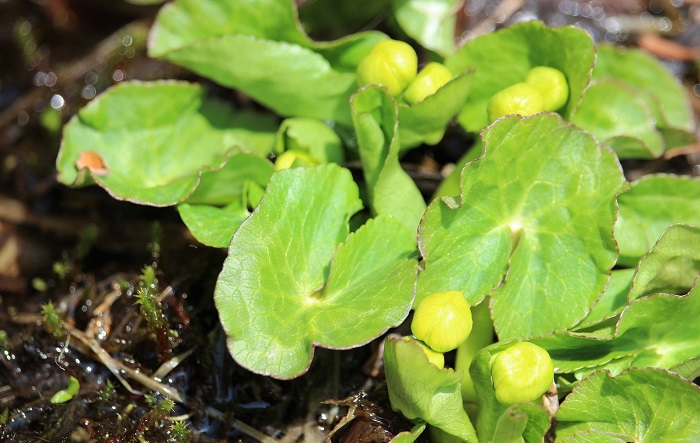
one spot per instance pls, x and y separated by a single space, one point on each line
92 161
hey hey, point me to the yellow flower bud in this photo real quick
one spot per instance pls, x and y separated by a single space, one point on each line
552 85
391 63
520 98
521 373
294 158
443 320
427 82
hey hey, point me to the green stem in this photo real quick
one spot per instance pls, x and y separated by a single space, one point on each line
480 337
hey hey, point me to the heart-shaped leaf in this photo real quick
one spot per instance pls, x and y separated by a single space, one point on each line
420 390
430 22
617 117
154 154
640 405
503 58
295 279
652 204
259 47
391 191
652 83
543 193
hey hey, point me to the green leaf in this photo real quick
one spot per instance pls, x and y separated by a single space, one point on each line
211 225
653 83
430 22
426 121
672 266
311 136
258 47
184 22
658 330
555 206
155 154
391 191
689 369
289 284
409 436
619 118
333 19
592 437
227 184
503 58
419 389
491 418
640 405
652 204
613 300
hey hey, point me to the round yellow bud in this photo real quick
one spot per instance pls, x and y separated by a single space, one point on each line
443 320
427 82
520 98
521 373
391 63
551 84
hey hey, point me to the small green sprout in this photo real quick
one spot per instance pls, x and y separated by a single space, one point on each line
521 373
180 432
443 320
107 392
391 63
52 320
67 394
427 82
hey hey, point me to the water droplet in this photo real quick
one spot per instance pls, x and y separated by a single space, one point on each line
91 78
118 75
88 92
57 102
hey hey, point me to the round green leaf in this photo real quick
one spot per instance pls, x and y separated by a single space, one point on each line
640 405
289 284
620 119
259 47
652 204
653 83
535 223
211 225
154 153
503 58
